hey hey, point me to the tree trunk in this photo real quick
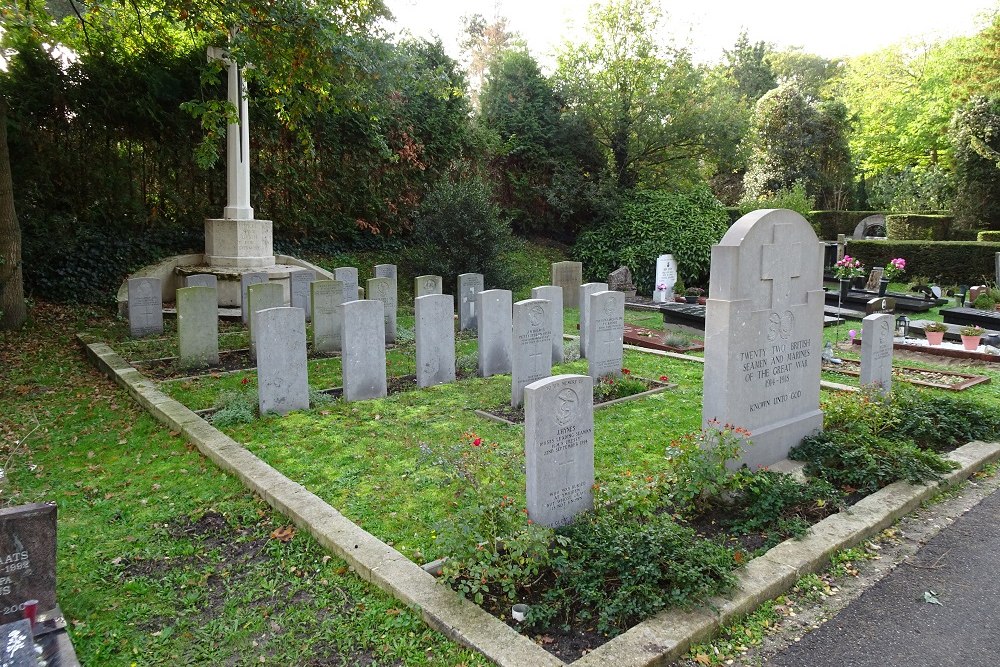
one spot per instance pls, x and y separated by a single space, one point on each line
13 311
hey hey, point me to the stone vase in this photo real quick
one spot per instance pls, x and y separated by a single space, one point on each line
970 342
883 285
934 337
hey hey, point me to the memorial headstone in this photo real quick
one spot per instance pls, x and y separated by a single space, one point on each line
531 350
876 351
434 331
349 276
606 321
145 307
246 280
17 645
874 276
469 285
494 323
386 271
300 292
282 371
583 299
202 280
559 448
882 304
554 295
764 333
620 280
568 276
27 559
384 290
260 297
363 358
665 279
327 316
425 285
197 327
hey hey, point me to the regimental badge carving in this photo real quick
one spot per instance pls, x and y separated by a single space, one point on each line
568 406
780 325
536 315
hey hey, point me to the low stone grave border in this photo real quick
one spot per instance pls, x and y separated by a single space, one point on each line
970 380
937 351
663 638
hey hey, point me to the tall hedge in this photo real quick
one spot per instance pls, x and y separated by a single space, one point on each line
913 227
830 223
651 223
947 262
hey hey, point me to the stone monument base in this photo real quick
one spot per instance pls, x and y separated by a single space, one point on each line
772 442
238 243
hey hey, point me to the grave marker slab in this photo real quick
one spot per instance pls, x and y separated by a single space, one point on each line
583 299
764 333
349 276
262 296
385 271
559 448
198 327
606 316
202 280
300 293
554 295
27 559
246 280
620 280
424 285
434 330
282 372
876 351
145 307
568 276
327 316
883 304
494 323
469 285
874 276
666 275
531 353
17 645
384 290
363 358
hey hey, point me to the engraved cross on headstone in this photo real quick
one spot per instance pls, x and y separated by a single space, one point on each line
536 361
780 262
237 142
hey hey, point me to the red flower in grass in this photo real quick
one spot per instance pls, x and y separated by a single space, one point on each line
664 378
626 371
245 381
477 442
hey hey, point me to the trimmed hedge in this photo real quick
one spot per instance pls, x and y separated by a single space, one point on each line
990 236
830 223
919 227
947 262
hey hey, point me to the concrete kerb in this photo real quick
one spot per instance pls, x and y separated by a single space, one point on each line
657 641
368 556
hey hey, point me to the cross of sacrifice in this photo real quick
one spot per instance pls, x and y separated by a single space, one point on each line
237 141
780 262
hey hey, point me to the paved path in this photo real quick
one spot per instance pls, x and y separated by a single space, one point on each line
892 625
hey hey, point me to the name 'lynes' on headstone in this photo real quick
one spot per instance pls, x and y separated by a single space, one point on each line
27 559
260 297
764 333
559 448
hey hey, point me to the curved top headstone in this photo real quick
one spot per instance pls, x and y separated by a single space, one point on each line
872 221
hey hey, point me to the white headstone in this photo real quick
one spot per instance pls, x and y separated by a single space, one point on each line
349 276
384 290
554 295
531 353
606 316
434 331
197 327
300 291
494 323
327 316
876 351
559 448
262 296
202 280
583 299
764 333
385 271
469 285
665 279
246 280
282 371
424 285
145 307
363 357
569 276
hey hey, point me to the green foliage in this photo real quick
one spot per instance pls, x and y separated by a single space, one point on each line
609 388
975 132
988 236
793 198
698 466
943 422
235 408
916 189
984 302
459 229
919 227
649 222
775 502
832 223
749 66
945 262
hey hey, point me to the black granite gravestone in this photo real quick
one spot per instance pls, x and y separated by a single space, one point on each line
17 646
27 559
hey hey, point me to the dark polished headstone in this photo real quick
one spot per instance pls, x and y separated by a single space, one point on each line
27 559
17 645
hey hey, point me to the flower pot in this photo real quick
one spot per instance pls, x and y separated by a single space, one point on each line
845 287
934 337
883 285
691 299
970 342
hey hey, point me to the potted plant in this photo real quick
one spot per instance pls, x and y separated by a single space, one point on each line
846 269
935 332
691 294
971 335
895 268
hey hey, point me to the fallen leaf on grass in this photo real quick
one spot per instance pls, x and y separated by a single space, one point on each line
930 597
702 659
283 534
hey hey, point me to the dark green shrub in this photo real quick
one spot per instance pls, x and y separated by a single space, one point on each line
459 229
984 302
974 136
990 236
941 422
768 501
949 262
830 223
793 198
649 224
912 227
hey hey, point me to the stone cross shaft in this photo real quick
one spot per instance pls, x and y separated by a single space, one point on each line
780 262
237 142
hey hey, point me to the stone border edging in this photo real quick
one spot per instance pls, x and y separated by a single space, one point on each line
373 560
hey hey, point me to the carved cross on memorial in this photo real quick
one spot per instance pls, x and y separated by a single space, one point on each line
780 263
